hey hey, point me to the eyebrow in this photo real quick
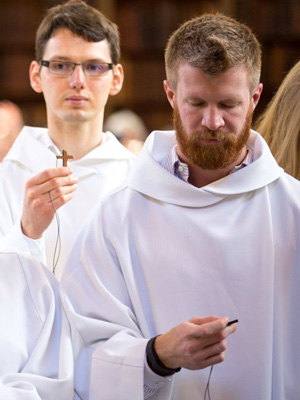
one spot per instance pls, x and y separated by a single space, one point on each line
233 99
230 100
61 58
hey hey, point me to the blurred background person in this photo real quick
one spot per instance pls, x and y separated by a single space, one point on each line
280 123
35 347
11 123
129 128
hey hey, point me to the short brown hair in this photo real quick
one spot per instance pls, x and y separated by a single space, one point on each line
214 43
82 20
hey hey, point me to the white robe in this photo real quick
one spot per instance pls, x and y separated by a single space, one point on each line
160 251
35 348
100 171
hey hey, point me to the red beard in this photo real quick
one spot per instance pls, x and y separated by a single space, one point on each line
212 156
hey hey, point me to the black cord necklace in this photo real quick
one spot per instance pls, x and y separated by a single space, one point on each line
207 391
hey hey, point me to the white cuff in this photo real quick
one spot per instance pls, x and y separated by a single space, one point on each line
152 381
15 239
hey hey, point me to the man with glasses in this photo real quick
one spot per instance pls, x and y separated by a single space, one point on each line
77 69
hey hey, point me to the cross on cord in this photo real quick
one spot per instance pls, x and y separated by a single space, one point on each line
65 157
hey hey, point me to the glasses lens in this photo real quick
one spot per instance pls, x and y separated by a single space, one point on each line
95 68
61 67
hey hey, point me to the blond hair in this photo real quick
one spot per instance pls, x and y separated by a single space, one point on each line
214 43
280 123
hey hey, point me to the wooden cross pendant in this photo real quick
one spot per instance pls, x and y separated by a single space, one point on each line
65 157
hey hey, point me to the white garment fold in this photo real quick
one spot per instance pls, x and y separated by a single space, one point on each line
35 345
160 251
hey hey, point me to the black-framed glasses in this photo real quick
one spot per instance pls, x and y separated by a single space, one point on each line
66 68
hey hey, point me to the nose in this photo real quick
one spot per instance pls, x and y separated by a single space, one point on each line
77 78
212 118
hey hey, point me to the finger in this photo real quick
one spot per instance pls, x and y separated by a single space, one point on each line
211 326
215 359
47 174
211 351
208 356
232 328
59 182
214 348
60 201
61 191
203 320
50 185
221 335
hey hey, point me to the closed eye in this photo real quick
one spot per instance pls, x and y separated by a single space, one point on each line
197 103
228 105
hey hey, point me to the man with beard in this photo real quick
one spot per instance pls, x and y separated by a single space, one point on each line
205 230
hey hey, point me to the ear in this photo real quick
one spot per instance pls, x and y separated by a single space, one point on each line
34 75
118 80
256 95
169 92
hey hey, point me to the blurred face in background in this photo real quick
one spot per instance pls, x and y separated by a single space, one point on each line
11 123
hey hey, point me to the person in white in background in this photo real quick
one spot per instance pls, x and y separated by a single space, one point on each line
129 128
11 123
35 346
77 69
